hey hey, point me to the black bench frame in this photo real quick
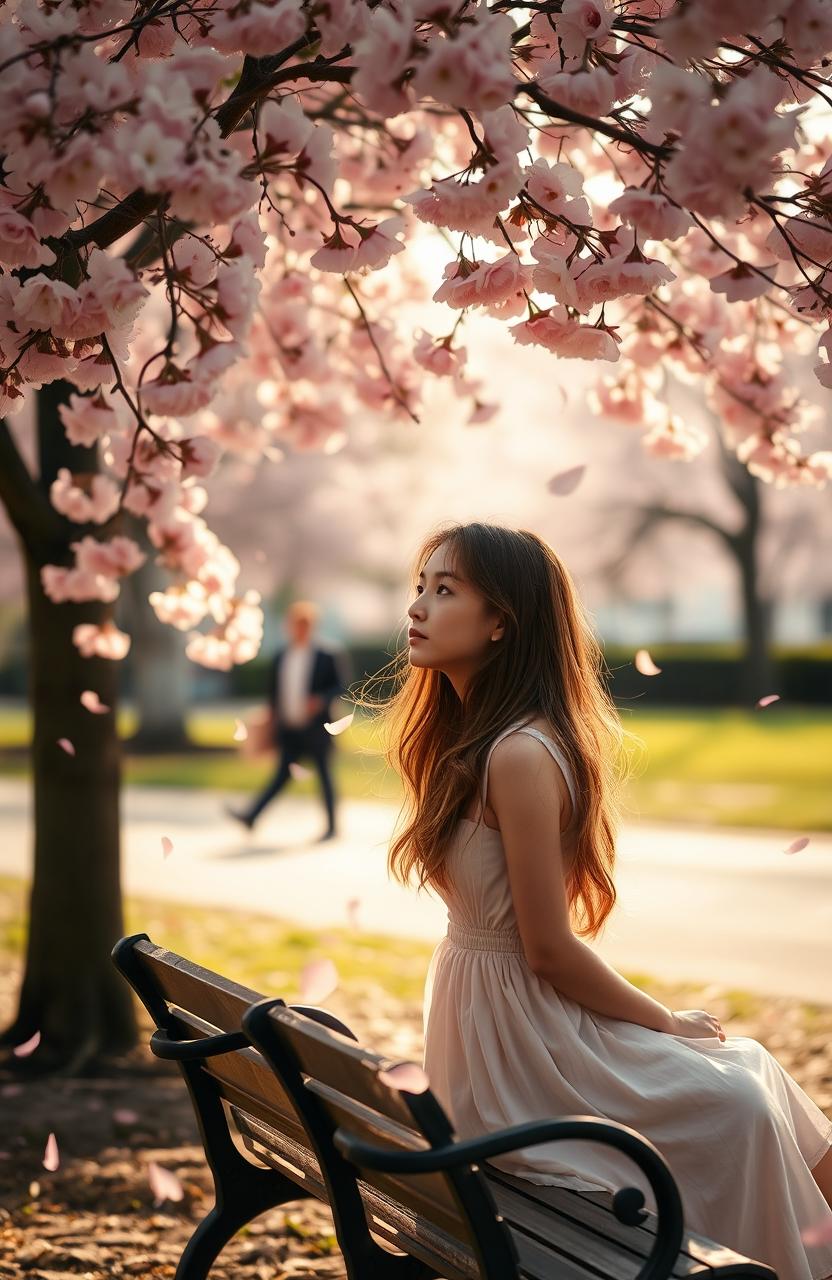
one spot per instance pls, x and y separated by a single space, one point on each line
244 1190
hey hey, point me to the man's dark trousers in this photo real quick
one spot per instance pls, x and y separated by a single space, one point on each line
292 745
328 679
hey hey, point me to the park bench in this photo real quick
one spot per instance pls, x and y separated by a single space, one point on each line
289 1106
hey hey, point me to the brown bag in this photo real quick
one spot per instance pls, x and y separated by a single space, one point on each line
259 739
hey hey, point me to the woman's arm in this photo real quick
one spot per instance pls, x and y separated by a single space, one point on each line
527 791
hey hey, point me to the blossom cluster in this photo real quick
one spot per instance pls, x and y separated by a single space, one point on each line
206 209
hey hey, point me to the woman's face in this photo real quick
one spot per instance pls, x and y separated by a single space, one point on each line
455 623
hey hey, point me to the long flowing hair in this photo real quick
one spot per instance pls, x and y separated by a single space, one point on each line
549 663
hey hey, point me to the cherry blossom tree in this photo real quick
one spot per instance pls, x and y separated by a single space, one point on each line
210 212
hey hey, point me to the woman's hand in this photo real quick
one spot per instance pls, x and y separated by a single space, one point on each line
695 1023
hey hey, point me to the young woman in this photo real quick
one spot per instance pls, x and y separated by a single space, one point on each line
509 748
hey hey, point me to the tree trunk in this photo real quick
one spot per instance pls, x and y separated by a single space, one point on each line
158 665
756 673
71 992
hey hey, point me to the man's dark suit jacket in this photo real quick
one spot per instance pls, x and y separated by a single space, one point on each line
328 679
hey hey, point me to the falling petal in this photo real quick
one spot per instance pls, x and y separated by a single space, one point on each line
67 746
338 726
51 1158
406 1077
645 664
273 454
240 731
298 771
123 1115
167 846
820 1233
798 844
164 1184
352 911
91 701
34 1190
768 699
566 482
28 1046
318 979
10 1090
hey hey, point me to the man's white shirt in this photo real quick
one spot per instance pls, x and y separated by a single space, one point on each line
294 678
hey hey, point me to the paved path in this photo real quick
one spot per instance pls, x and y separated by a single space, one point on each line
715 905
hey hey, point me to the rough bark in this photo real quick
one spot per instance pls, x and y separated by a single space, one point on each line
70 992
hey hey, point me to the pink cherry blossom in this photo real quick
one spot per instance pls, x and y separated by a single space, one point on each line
741 283
591 92
87 418
644 663
318 979
581 22
103 642
651 214
164 1184
472 69
553 275
257 29
675 439
378 244
768 700
97 505
337 727
92 703
19 242
566 482
199 456
482 283
438 355
554 330
51 1156
42 303
28 1046
173 391
405 1077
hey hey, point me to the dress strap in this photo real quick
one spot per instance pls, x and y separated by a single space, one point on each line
548 742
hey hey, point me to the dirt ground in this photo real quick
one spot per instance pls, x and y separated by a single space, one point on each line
94 1217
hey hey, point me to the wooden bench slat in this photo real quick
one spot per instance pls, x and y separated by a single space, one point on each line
212 997
548 1211
594 1234
387 1218
593 1209
246 1069
425 1194
325 1058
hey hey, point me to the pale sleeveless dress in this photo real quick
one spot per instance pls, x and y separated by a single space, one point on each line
503 1047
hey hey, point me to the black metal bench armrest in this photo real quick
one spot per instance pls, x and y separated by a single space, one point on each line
163 1046
627 1202
192 1050
471 1150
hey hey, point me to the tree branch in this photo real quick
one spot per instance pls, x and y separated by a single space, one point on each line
658 513
257 77
628 136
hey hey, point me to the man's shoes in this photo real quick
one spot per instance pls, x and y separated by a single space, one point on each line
331 834
246 821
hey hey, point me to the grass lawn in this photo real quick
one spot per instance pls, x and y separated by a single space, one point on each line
770 768
269 954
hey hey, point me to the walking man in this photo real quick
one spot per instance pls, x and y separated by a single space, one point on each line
304 680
